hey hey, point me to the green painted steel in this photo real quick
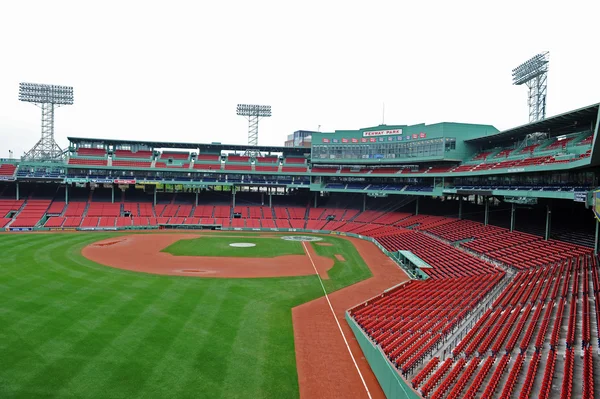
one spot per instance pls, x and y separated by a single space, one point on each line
392 384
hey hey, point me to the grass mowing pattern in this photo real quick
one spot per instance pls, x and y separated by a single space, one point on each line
343 273
70 328
219 246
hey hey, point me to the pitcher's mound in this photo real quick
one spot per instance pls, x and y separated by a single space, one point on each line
242 244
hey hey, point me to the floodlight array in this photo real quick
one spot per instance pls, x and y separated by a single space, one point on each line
46 94
531 69
254 110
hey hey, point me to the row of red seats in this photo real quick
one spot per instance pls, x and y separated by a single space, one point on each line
449 380
567 383
436 377
460 385
588 374
88 162
546 387
513 375
479 378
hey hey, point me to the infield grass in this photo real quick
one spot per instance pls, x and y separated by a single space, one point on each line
70 328
219 246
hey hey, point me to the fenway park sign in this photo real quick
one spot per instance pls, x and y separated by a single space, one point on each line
372 133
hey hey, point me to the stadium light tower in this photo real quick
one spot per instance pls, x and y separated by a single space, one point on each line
534 74
46 97
253 113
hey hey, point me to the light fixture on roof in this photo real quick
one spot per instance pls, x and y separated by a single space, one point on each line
534 74
253 113
46 97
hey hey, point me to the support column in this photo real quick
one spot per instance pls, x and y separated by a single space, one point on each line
113 193
270 199
17 191
364 207
155 195
596 239
197 196
417 207
513 211
316 199
460 201
67 193
233 192
487 209
548 221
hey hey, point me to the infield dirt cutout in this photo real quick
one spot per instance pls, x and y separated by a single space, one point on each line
142 253
325 369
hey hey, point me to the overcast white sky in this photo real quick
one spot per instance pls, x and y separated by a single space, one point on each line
176 70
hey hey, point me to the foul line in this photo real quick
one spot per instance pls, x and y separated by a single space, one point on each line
336 320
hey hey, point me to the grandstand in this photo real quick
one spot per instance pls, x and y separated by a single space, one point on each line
495 228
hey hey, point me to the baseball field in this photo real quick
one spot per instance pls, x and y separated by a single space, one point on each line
74 323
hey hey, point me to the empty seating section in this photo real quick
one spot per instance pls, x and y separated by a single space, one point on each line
102 209
267 159
56 208
208 157
72 222
264 168
237 158
587 141
207 166
130 154
203 211
529 149
75 209
293 160
293 169
133 164
91 152
159 164
517 249
296 213
559 143
7 206
385 170
175 155
88 162
54 221
184 210
481 156
504 153
229 166
322 169
504 354
7 169
31 213
409 321
222 211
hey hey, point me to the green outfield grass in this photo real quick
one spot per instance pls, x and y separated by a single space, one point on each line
70 328
219 246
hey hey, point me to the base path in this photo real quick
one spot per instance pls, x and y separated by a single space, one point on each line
325 368
141 253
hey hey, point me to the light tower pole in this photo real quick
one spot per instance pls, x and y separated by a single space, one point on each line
47 97
253 113
534 74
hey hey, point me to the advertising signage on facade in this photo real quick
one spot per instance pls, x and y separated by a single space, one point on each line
124 181
382 132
